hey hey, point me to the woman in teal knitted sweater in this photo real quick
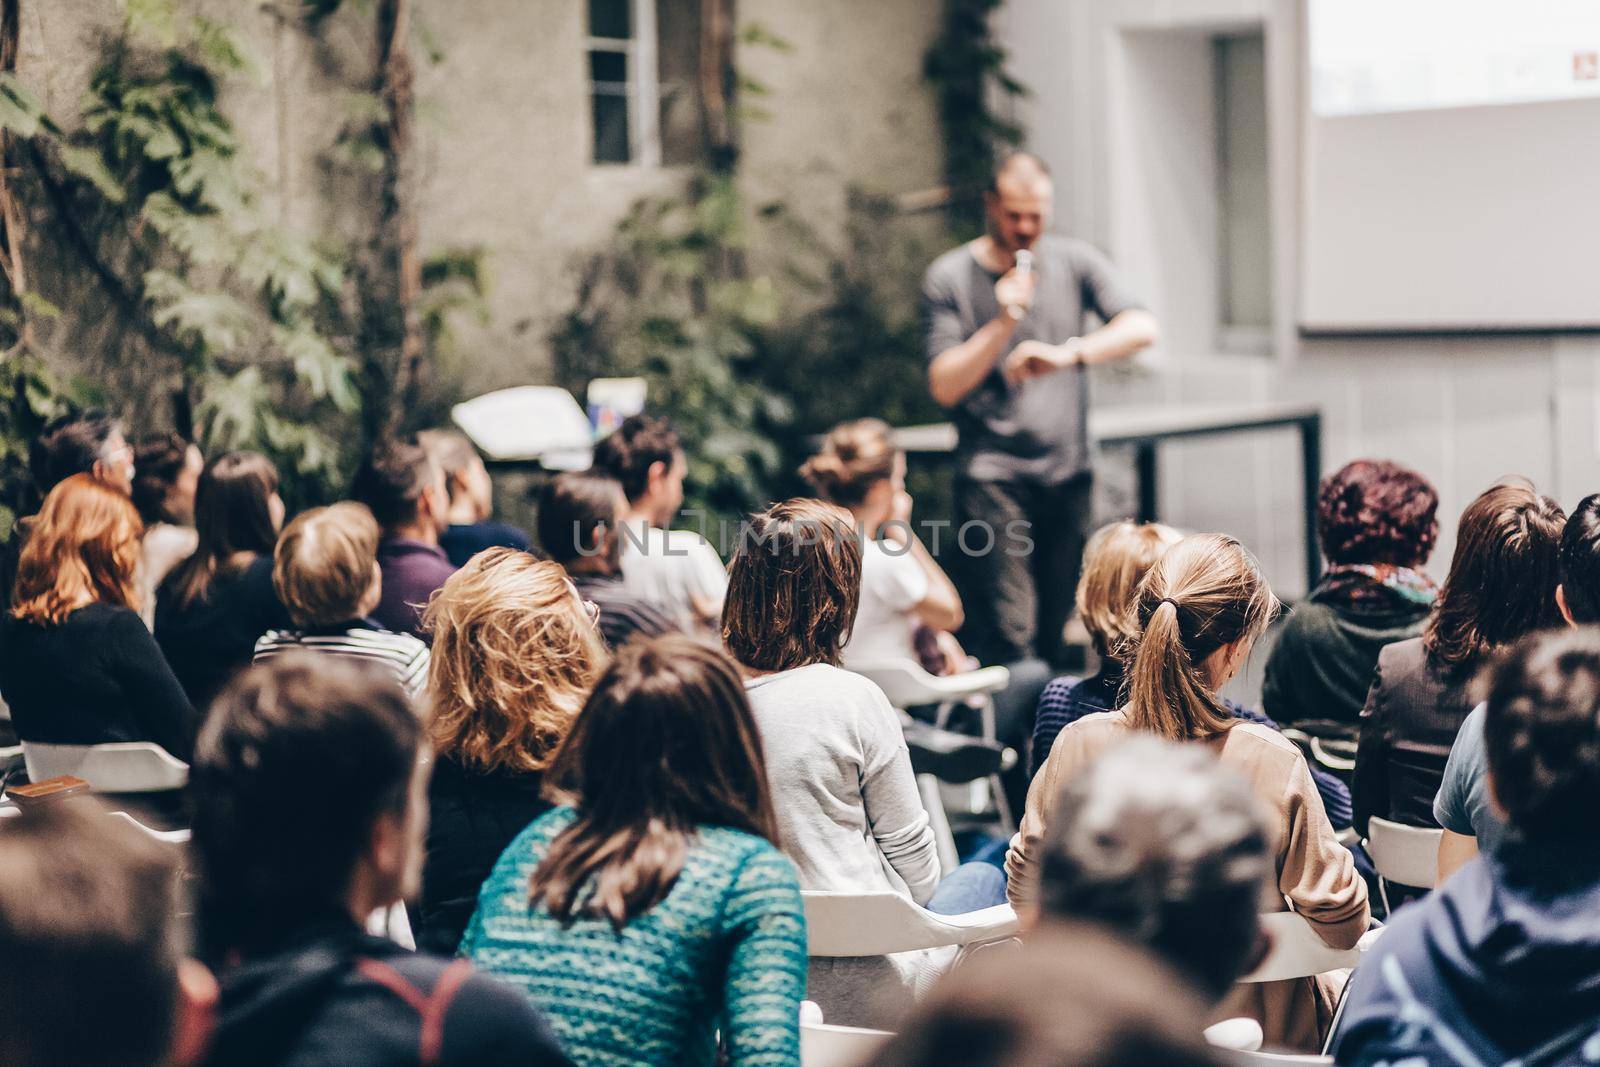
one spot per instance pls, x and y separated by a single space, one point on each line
653 910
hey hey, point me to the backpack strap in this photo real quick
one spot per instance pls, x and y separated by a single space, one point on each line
430 1007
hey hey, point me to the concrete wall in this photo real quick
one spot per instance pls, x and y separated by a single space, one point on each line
1130 150
504 134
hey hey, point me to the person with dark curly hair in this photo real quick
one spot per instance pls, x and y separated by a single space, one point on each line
1377 524
1501 963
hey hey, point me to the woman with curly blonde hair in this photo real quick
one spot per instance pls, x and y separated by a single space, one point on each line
515 653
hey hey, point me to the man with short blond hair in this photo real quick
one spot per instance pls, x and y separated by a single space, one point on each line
325 570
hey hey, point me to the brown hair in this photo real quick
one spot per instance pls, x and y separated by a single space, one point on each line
1115 561
90 938
84 543
514 655
157 462
629 451
793 587
1503 576
855 456
577 512
1207 591
232 518
392 478
666 744
322 567
1376 511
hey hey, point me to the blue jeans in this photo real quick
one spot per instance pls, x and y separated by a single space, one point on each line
970 887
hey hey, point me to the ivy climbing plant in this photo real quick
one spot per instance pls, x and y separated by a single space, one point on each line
158 204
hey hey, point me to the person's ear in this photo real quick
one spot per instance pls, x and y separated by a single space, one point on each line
1561 605
388 848
196 1016
656 475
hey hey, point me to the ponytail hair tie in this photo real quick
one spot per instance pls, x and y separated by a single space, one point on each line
1167 600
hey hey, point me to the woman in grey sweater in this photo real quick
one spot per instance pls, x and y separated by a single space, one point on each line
849 813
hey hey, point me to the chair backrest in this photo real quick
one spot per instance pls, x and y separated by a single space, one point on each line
876 924
168 837
822 1045
907 685
1297 951
392 922
119 767
1408 855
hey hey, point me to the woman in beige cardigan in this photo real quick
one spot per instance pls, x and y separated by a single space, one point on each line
1200 609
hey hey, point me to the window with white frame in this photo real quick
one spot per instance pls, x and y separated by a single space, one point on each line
644 58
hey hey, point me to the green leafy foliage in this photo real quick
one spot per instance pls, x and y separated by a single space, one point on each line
669 301
166 205
29 398
966 69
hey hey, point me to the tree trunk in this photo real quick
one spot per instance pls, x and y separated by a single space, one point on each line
11 222
394 324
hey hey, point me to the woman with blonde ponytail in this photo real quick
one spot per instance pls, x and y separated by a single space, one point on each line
1200 609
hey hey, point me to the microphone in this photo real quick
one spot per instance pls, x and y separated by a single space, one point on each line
1024 269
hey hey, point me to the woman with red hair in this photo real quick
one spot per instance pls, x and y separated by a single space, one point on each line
77 664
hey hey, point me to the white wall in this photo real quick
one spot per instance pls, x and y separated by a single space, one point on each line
1464 411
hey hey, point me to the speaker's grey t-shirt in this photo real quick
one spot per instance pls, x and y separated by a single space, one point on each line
1037 431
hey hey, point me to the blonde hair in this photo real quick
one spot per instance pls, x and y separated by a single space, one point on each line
1207 591
514 658
322 566
82 547
1115 561
855 456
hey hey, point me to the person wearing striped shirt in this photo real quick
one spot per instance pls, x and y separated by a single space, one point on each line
325 571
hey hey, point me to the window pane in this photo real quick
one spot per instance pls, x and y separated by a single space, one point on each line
608 67
611 128
610 18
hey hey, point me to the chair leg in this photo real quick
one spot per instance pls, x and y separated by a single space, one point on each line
997 796
1383 895
944 840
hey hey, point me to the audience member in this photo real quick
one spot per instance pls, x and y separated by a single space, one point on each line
167 472
218 603
405 490
1073 996
325 572
902 587
78 666
90 442
909 609
1200 609
653 909
514 655
470 492
89 935
1500 964
676 569
1501 585
1377 524
579 528
1464 805
1115 561
310 782
1167 847
849 813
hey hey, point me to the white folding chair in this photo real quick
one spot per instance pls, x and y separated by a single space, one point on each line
822 1045
1298 952
1236 1035
939 822
393 923
118 767
1244 1058
1405 855
167 837
877 924
907 686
